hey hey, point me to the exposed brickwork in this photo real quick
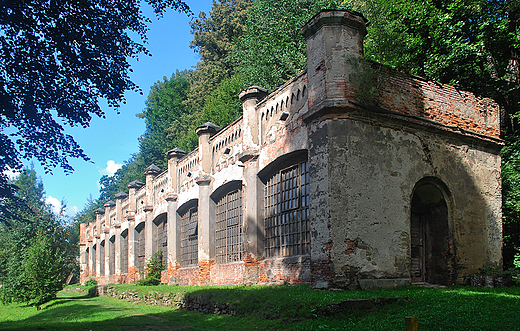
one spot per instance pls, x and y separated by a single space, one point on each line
444 104
133 274
227 274
205 272
187 276
295 270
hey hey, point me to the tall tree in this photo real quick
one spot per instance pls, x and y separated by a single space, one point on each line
214 36
37 249
57 58
272 49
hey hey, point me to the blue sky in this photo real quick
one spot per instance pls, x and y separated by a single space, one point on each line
111 141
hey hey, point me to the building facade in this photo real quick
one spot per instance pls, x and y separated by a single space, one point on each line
350 175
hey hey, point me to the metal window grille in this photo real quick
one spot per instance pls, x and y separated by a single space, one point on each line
140 234
162 240
124 252
94 260
189 238
112 256
102 258
228 228
87 257
287 212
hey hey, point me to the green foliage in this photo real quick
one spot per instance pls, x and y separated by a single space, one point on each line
223 105
511 198
49 79
44 270
37 249
471 44
214 37
154 267
91 282
272 49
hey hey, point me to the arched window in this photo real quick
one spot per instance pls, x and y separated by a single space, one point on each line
112 255
102 258
94 260
161 236
140 247
286 204
87 253
124 252
189 234
229 242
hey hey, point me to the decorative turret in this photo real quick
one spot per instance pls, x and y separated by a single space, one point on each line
173 156
205 132
334 47
250 97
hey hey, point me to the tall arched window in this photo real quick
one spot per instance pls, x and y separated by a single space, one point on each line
229 240
94 260
161 236
102 258
112 255
189 234
140 247
124 252
287 211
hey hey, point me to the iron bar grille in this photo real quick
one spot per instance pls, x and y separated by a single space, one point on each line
124 252
87 258
112 256
287 212
94 260
162 240
228 228
189 238
140 234
102 258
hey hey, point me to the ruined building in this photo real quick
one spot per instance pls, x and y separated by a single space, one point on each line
350 175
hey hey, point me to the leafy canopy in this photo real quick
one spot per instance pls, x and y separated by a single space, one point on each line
57 59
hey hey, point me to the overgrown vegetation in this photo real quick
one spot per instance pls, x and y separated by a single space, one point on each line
37 248
154 267
280 308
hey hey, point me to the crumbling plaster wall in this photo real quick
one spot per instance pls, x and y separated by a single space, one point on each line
373 170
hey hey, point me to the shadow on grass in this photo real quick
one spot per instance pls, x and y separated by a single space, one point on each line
284 308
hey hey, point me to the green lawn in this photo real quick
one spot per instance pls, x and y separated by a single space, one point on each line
278 308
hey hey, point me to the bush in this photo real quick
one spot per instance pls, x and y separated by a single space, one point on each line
91 282
154 267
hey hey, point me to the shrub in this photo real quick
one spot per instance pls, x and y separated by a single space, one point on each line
154 267
91 282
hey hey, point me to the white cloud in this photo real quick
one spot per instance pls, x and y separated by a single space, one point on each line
111 168
56 206
54 203
72 211
12 174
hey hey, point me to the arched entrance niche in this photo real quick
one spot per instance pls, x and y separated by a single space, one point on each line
431 235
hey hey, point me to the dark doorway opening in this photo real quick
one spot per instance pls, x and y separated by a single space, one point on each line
431 255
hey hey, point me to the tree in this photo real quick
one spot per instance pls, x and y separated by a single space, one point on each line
57 59
37 249
272 49
214 37
470 44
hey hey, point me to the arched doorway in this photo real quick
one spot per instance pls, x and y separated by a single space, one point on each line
431 248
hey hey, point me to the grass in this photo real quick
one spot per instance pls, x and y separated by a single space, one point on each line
277 308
